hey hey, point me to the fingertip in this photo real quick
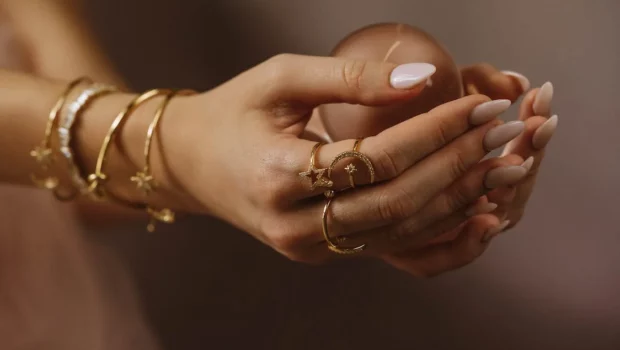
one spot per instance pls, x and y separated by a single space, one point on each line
409 75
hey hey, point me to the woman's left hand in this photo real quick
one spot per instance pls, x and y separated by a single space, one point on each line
504 207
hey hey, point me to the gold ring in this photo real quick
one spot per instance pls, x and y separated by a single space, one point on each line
316 175
350 168
330 243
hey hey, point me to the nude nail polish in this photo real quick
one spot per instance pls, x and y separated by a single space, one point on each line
481 209
504 176
523 81
409 75
487 111
543 134
502 134
495 231
527 165
542 102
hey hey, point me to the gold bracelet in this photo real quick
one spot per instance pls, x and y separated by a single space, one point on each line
65 129
97 179
144 179
43 154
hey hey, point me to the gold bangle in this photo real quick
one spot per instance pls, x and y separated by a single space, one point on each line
144 179
97 179
43 154
65 129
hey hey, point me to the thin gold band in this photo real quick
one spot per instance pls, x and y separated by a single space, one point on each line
144 179
97 179
333 246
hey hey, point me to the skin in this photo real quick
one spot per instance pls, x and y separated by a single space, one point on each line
267 109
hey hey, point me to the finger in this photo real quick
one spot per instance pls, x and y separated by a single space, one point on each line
444 257
451 208
394 150
487 80
399 199
319 80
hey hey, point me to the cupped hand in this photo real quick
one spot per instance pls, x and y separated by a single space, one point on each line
504 207
237 150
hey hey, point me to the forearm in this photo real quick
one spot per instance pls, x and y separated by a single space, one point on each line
25 103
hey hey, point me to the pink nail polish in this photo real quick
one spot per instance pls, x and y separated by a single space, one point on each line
528 163
481 209
504 176
409 75
542 102
487 111
523 81
543 134
502 134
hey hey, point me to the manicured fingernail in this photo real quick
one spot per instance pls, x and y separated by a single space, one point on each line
527 165
409 75
502 134
543 134
504 176
542 102
487 111
481 209
495 231
523 81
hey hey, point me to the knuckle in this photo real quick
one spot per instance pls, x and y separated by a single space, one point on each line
280 235
458 198
440 136
458 163
277 68
386 164
353 72
394 206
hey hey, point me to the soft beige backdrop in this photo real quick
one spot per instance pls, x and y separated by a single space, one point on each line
552 283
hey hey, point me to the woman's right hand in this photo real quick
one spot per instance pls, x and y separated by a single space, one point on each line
237 151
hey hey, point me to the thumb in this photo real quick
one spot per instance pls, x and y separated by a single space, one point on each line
319 80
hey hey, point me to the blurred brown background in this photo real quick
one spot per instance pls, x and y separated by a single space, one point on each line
552 283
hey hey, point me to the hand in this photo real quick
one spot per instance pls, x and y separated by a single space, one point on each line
237 150
505 206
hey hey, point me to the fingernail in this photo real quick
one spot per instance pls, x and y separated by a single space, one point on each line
542 102
543 134
409 75
504 176
487 111
495 231
527 165
502 134
525 82
481 209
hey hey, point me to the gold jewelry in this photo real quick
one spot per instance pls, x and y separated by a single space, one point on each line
43 154
350 169
316 176
98 178
64 135
332 245
144 179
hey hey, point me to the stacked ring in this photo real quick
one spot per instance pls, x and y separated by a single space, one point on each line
321 177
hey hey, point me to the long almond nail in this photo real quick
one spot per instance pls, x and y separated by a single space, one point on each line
523 81
542 102
527 165
409 75
487 111
543 134
504 176
495 231
502 134
481 209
